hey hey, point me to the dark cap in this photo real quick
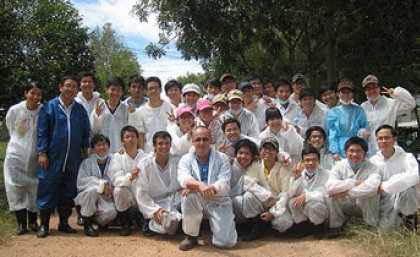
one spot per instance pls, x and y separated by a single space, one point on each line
270 140
226 76
345 84
370 79
244 84
307 91
297 76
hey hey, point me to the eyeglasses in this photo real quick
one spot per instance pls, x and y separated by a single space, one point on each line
308 160
199 139
356 151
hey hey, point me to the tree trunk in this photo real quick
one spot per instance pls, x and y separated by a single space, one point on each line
331 41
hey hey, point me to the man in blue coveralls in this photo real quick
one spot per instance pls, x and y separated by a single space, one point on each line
63 140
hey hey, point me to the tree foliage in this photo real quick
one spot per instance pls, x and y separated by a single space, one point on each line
327 40
112 58
40 40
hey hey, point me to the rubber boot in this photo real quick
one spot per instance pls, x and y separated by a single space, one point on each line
80 219
255 229
188 243
32 221
410 222
125 224
64 225
44 229
22 227
88 228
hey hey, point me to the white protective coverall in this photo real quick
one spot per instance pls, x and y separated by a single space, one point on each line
150 120
277 186
219 209
180 142
315 207
90 187
362 200
400 175
291 112
110 124
124 190
215 129
159 188
317 118
91 104
326 161
21 160
289 141
386 111
260 107
249 123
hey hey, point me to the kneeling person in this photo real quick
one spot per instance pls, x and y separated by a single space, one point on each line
94 189
158 193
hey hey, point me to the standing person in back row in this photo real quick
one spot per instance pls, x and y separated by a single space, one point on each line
63 141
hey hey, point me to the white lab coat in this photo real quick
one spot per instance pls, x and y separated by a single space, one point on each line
159 188
110 124
291 112
317 118
119 173
315 207
363 198
259 112
386 111
90 187
249 123
150 120
289 141
219 209
91 104
400 175
20 164
326 161
180 142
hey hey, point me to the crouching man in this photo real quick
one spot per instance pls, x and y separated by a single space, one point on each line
94 190
205 173
353 188
400 175
123 172
158 191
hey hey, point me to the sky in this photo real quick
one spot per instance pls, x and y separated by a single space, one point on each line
135 36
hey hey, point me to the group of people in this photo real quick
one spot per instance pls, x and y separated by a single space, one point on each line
252 158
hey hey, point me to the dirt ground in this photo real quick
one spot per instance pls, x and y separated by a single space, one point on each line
110 244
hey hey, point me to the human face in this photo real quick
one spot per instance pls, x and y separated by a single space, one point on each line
68 90
201 141
191 98
244 156
274 124
355 154
269 90
329 98
33 97
174 93
232 132
162 146
206 115
228 85
220 107
101 148
247 93
307 103
212 90
235 104
136 91
345 94
257 86
372 90
385 140
283 92
130 140
114 92
311 161
268 152
298 85
186 121
316 139
153 90
87 85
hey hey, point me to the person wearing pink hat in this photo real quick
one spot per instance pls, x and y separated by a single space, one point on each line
206 119
181 132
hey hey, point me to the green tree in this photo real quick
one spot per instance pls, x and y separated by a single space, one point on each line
39 40
112 58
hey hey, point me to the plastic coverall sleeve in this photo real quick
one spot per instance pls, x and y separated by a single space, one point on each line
251 185
135 120
146 204
401 182
117 174
86 181
281 205
254 130
222 183
335 185
296 187
368 188
96 122
43 129
404 100
184 170
180 144
361 122
295 141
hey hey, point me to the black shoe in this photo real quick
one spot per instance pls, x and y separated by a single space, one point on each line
188 243
255 229
22 227
32 221
80 220
300 230
88 228
44 229
64 225
125 224
410 222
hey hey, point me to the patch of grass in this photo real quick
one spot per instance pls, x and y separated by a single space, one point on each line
7 220
3 146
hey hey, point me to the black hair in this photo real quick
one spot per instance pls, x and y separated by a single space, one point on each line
282 82
83 74
251 146
309 150
99 138
33 84
115 81
161 134
326 87
356 141
307 91
213 82
172 83
230 121
315 128
69 77
136 79
272 113
394 132
254 77
128 129
268 81
153 79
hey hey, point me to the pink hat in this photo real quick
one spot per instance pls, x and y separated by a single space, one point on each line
203 104
184 109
